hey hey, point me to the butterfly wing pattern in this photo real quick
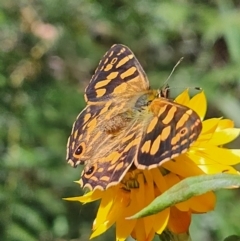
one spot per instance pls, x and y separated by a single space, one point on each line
126 124
118 73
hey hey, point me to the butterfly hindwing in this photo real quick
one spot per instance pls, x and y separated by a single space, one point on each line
110 169
170 133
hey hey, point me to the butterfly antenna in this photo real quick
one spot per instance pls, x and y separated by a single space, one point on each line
179 61
190 87
197 88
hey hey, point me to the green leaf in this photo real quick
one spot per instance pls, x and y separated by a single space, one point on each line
189 187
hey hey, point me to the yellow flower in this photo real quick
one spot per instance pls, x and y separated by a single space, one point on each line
141 187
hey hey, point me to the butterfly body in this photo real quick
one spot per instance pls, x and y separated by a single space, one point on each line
126 124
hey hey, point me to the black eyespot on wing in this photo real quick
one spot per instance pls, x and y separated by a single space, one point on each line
79 150
183 131
90 170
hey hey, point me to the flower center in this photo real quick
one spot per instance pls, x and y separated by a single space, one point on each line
130 180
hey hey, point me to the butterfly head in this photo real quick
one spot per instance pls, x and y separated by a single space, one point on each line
164 92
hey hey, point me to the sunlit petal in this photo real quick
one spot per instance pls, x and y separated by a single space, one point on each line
199 104
225 123
102 228
217 168
104 208
210 125
223 136
161 220
183 166
88 197
183 98
215 155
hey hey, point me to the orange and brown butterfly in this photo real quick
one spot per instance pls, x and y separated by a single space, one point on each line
126 124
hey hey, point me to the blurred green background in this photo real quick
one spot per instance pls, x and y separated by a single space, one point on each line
48 52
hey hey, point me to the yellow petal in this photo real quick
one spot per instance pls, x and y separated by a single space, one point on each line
144 237
149 188
161 220
150 236
171 179
140 230
224 136
104 208
199 104
183 206
203 203
124 228
183 98
102 228
215 155
148 224
158 179
134 206
88 197
140 192
179 222
108 212
183 166
217 168
120 202
210 125
148 198
145 195
120 239
225 123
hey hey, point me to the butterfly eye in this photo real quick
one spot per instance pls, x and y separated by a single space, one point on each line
80 150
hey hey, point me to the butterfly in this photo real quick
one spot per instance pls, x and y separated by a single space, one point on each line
126 124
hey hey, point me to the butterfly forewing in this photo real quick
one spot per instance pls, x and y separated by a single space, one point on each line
82 134
118 73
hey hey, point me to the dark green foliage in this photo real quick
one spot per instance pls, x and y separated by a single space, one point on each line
48 52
